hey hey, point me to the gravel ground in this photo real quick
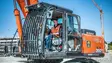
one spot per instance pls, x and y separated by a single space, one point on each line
106 59
12 60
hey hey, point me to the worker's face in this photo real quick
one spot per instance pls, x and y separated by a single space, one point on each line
55 22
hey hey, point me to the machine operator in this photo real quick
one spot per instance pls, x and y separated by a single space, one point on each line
55 31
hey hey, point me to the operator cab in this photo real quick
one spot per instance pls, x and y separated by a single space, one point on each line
51 32
68 31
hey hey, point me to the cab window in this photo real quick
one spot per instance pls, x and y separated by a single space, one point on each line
72 24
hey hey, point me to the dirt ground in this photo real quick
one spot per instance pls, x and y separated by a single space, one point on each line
106 59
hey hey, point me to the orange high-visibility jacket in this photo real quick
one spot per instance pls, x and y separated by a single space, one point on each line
55 30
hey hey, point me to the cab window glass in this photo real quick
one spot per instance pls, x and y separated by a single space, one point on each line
72 24
50 23
60 21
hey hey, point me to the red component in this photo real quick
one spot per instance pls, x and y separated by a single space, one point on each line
60 46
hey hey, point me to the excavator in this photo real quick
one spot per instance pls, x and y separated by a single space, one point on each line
37 41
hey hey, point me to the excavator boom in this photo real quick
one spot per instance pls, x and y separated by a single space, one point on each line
22 4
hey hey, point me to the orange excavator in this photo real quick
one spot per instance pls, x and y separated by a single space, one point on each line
34 39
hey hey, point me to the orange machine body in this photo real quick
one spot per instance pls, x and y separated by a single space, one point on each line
32 2
92 43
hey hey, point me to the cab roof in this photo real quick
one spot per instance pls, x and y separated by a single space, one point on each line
46 5
57 7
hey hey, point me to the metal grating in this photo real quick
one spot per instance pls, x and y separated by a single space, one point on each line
32 30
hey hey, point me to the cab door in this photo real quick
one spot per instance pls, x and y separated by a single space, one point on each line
73 35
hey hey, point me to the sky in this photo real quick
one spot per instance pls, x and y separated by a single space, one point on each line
90 16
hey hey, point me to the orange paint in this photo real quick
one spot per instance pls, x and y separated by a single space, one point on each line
22 6
32 2
18 22
96 42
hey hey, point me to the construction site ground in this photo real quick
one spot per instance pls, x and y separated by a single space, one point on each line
11 59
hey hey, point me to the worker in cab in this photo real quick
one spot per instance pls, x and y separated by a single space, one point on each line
56 30
51 34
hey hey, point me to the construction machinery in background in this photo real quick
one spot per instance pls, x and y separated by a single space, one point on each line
101 17
71 42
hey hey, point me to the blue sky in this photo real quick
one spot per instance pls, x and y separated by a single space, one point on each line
90 17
